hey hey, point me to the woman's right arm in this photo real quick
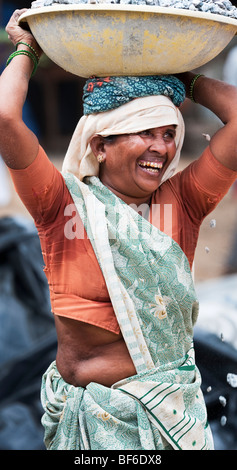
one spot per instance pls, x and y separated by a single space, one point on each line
36 180
18 144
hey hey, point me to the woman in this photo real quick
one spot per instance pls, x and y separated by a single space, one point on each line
119 274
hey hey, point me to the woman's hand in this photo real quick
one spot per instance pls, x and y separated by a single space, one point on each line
220 98
17 34
18 144
186 78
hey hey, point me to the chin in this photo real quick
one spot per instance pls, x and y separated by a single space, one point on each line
151 186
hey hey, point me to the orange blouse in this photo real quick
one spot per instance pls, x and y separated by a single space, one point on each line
76 284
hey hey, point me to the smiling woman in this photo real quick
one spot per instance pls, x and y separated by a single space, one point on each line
143 158
122 292
147 128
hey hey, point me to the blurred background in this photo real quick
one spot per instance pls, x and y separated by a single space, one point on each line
27 335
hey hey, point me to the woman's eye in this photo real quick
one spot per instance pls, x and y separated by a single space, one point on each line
145 133
170 135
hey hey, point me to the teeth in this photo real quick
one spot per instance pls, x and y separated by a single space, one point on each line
151 164
153 170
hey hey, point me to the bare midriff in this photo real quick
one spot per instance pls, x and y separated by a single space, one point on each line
87 354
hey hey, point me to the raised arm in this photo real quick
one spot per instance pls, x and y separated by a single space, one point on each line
221 99
18 144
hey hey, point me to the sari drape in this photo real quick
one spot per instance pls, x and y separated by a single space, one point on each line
151 289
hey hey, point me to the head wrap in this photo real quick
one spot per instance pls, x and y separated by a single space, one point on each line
103 94
134 116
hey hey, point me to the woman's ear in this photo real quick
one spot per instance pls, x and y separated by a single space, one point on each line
98 147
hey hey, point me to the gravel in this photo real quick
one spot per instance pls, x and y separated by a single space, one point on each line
216 7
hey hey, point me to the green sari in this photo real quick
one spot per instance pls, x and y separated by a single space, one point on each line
151 289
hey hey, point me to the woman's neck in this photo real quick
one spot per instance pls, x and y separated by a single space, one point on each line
132 200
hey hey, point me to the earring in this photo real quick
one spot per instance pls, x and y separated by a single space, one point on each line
101 158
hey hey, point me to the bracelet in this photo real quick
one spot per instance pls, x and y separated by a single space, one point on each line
191 89
27 53
30 47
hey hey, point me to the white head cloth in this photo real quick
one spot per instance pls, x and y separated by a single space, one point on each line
135 116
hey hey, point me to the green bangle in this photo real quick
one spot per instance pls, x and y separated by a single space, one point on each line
27 53
191 89
30 47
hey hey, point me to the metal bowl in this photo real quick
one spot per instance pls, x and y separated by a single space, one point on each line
114 39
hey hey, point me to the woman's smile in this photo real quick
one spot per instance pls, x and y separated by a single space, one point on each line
152 167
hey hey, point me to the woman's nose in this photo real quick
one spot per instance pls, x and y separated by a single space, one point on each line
158 145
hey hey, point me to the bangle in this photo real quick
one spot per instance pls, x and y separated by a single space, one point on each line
30 47
27 53
191 89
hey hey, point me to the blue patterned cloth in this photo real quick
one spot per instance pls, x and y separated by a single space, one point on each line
104 94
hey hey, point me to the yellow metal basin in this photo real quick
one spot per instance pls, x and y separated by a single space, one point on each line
114 39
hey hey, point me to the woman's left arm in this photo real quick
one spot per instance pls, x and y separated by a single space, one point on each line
221 99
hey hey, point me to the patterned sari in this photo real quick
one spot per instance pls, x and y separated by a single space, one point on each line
152 293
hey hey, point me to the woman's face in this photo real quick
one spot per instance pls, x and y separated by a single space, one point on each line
135 163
